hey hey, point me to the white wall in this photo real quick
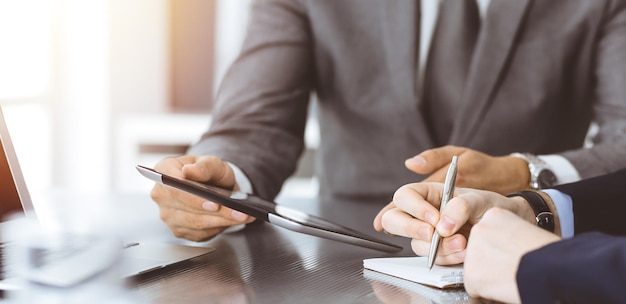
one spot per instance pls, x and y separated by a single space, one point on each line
80 97
231 24
101 58
139 53
149 127
108 92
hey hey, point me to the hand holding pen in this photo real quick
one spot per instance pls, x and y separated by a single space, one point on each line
448 190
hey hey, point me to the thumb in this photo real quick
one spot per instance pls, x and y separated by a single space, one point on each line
378 220
212 170
431 160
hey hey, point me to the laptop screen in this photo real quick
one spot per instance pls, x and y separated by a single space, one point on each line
14 198
9 198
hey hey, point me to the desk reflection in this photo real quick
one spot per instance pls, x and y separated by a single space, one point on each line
264 263
214 278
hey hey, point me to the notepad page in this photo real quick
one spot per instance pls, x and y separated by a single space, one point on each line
415 269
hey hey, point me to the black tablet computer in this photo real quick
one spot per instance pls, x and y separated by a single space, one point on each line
269 211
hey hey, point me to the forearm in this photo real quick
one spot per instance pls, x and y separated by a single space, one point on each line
589 268
604 157
259 120
609 107
595 201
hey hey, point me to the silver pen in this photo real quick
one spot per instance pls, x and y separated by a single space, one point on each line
448 189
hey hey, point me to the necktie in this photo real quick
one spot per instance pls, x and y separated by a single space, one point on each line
448 63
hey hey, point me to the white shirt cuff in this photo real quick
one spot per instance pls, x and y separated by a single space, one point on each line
563 204
242 182
562 168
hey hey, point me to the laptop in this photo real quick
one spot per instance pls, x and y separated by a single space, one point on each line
15 205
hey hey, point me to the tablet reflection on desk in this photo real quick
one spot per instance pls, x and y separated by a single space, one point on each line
216 278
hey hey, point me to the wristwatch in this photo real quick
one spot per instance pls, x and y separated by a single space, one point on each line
541 176
543 215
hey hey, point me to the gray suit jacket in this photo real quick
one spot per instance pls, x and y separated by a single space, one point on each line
542 71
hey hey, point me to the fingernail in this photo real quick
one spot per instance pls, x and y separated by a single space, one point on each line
445 225
417 160
430 218
239 216
210 206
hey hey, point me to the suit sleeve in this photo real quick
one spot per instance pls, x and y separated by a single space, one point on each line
597 201
609 107
259 120
589 268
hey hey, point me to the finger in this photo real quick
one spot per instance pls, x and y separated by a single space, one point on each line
468 207
378 219
172 165
168 197
192 225
453 216
451 249
433 159
210 169
451 259
398 222
420 200
225 216
438 176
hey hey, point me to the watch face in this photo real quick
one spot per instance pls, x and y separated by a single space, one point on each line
546 179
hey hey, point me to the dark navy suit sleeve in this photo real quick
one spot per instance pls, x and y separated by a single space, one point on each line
597 203
589 268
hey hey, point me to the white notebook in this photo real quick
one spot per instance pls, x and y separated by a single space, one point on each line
415 269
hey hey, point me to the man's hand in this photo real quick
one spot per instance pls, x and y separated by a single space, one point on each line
503 174
495 249
416 214
189 216
476 170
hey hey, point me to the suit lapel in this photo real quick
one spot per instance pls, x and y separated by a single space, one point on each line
496 41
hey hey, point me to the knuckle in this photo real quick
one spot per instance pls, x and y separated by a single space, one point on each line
178 233
462 206
156 193
165 215
165 163
402 192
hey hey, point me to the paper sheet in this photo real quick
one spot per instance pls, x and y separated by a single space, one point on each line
415 269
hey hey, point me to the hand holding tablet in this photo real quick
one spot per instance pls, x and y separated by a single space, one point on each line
269 211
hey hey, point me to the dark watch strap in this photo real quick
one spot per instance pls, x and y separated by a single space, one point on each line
543 215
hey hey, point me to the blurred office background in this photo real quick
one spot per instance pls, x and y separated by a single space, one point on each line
91 88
